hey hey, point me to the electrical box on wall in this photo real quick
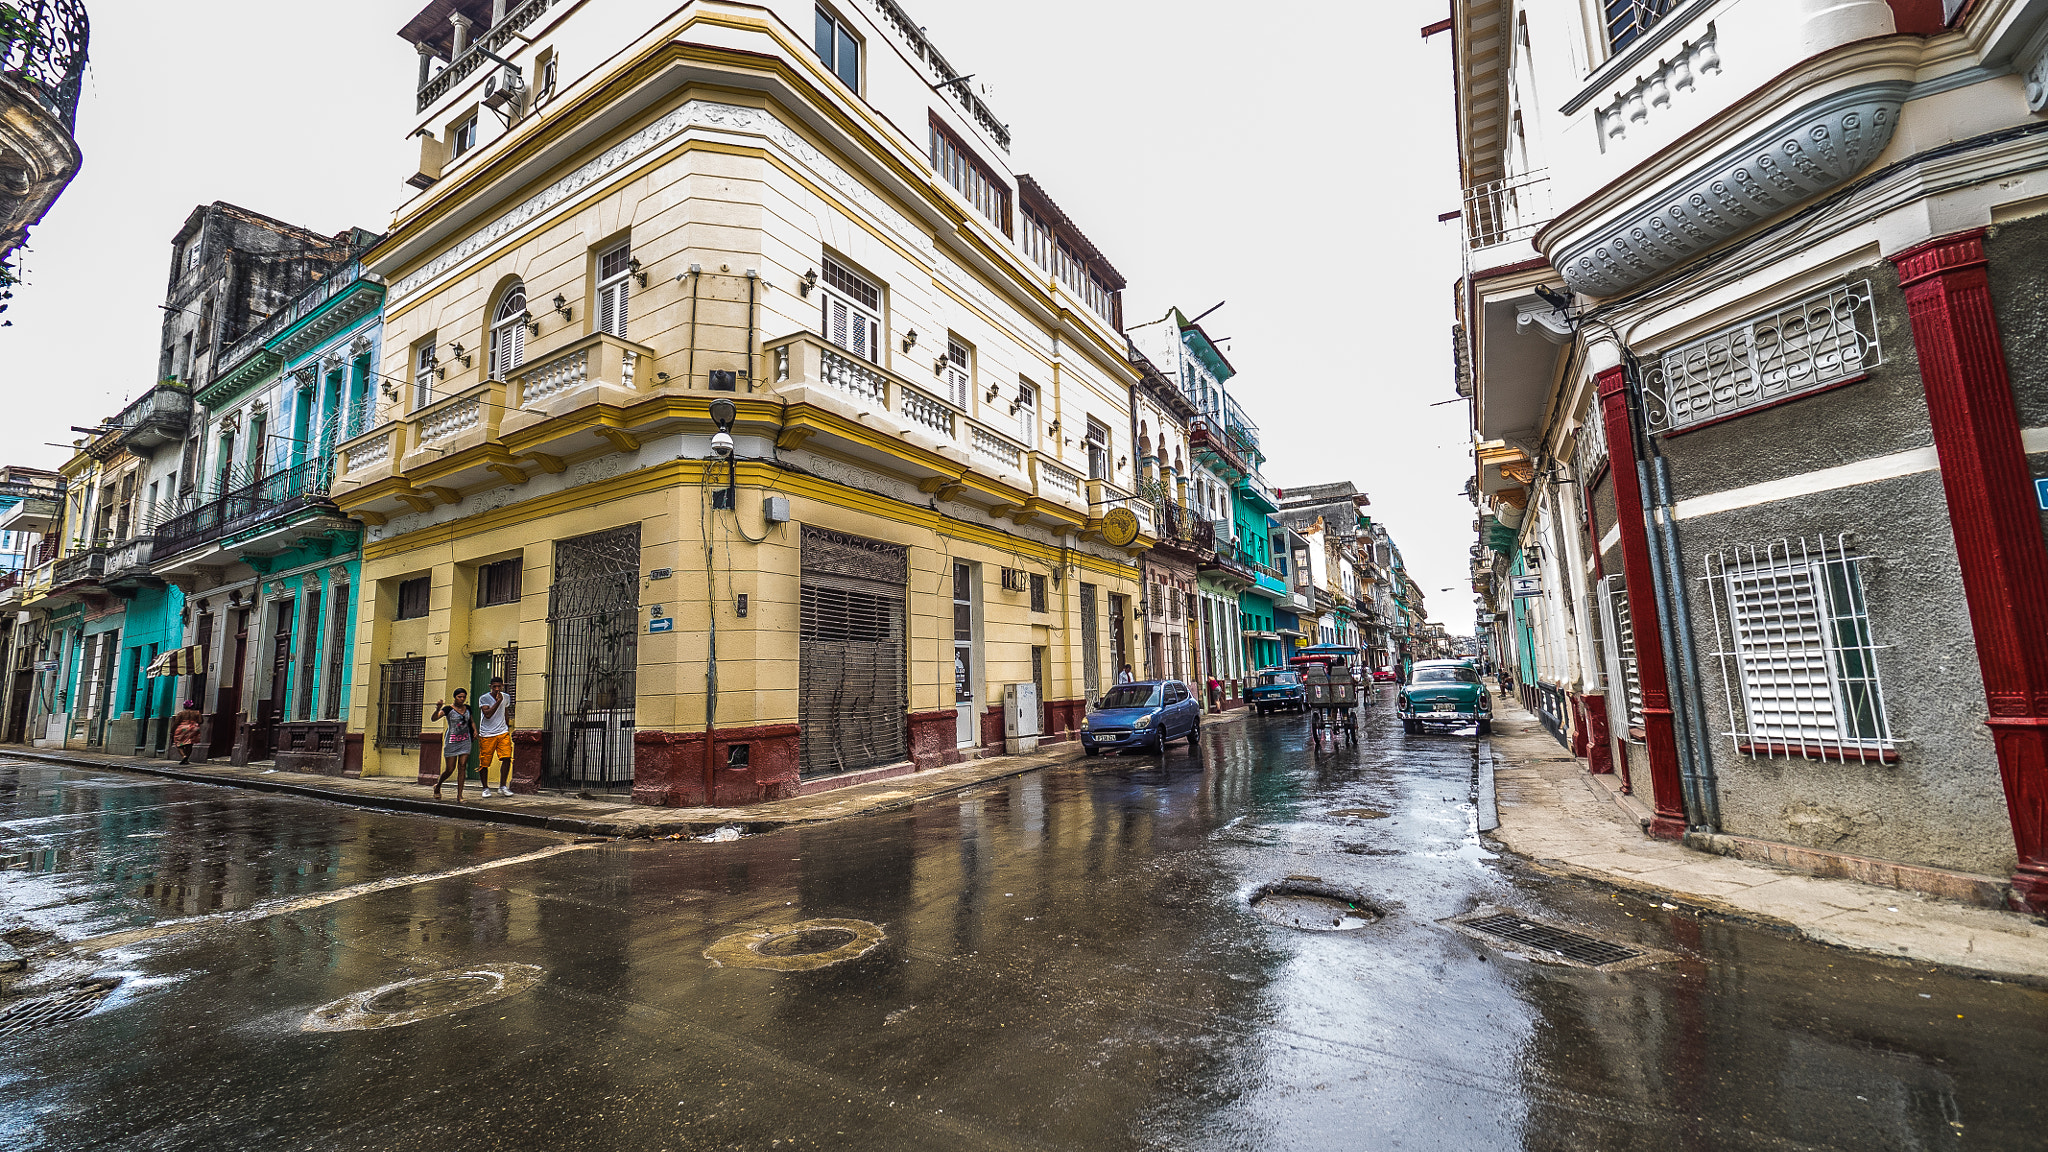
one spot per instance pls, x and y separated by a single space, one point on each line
775 509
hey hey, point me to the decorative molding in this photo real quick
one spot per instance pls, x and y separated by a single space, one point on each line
1645 45
1795 159
694 113
1693 60
2033 68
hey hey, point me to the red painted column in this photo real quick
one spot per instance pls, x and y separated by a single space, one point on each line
1991 509
1658 732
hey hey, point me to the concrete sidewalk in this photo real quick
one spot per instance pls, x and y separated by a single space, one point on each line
574 816
1566 820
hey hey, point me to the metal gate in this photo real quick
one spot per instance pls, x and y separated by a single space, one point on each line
593 652
853 699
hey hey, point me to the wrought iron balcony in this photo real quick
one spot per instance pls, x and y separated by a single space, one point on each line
161 416
42 48
1214 447
272 499
1503 211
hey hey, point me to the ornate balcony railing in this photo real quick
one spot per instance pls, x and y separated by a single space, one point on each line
160 416
42 46
82 565
494 39
270 498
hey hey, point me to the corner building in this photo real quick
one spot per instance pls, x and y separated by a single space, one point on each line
793 208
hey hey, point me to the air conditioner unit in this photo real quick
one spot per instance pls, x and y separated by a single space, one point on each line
503 88
1016 580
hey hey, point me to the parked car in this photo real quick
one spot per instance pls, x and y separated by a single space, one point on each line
1149 714
1383 675
1276 690
1444 693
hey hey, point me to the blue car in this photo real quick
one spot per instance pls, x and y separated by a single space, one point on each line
1147 715
1277 689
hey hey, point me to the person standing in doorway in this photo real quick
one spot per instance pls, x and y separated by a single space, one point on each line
1124 676
494 727
455 743
185 730
1215 694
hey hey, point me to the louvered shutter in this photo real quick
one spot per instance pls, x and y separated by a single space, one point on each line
1621 628
956 373
1782 655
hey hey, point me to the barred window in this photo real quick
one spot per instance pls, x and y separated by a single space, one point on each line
1037 592
1798 659
1620 651
1827 338
413 597
401 702
498 583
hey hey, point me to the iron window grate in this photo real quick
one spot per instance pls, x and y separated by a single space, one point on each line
1574 946
39 1012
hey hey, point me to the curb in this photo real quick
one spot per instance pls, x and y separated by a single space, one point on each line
565 825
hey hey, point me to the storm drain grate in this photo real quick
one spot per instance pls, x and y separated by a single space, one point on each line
1553 943
39 1012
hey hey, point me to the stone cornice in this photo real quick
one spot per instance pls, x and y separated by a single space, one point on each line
353 303
1796 158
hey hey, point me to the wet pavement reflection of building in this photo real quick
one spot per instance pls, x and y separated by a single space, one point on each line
1070 962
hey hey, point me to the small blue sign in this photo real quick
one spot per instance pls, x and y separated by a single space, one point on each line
2041 493
662 624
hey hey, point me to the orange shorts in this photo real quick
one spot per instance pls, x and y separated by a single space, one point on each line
491 749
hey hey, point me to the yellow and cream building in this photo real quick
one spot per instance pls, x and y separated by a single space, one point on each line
631 211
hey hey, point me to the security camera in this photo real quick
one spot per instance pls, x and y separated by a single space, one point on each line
721 443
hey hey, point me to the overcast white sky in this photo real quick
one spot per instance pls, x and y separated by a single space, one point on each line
1290 159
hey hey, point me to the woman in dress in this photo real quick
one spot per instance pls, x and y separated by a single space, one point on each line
455 745
185 730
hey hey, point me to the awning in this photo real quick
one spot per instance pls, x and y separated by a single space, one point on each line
1289 633
177 662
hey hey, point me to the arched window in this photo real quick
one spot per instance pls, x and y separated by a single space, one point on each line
508 332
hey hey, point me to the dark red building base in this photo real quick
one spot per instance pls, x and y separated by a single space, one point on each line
748 766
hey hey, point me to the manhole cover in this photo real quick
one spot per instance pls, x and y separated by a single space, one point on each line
1313 906
410 1001
798 947
38 1012
1553 943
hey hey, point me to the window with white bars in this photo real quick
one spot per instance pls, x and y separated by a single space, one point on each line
614 284
852 306
1622 669
1828 337
958 371
508 332
1798 659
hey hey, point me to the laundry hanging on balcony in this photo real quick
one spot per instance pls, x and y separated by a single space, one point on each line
186 661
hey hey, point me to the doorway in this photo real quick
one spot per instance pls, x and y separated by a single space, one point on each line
593 661
228 704
968 731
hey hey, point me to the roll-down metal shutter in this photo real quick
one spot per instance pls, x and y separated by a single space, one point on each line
852 697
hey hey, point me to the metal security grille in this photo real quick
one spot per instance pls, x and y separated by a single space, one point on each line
1828 337
309 651
1621 628
593 655
853 696
1560 943
401 700
337 652
1795 642
38 1012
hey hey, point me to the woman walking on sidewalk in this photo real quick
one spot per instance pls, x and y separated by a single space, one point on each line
185 730
455 744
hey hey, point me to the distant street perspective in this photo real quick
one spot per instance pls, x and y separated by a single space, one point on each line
744 599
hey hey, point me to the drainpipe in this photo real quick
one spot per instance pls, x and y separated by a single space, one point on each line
1709 793
1675 634
1144 584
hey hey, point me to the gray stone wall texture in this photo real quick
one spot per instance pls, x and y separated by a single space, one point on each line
1941 803
2018 252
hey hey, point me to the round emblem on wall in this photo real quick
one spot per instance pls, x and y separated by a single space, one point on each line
1120 527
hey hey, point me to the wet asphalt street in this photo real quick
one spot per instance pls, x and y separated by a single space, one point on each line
1066 959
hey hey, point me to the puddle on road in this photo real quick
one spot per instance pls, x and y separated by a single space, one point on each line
1360 813
1308 904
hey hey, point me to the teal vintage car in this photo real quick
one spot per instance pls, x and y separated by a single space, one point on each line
1444 693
